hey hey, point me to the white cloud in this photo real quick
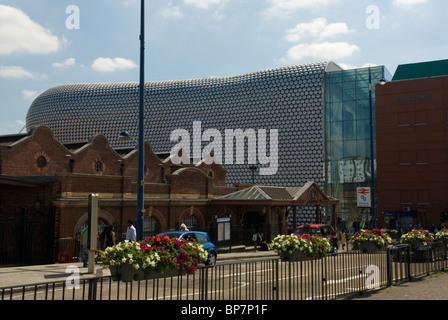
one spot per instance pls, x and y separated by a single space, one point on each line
109 65
15 72
204 4
407 3
18 33
171 12
317 33
65 64
324 50
282 7
346 66
317 29
29 94
129 2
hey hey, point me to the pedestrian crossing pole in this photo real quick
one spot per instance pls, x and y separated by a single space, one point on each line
93 227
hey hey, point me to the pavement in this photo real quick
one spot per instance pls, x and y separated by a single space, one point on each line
428 288
432 287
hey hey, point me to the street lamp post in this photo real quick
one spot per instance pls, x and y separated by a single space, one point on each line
141 134
253 168
372 154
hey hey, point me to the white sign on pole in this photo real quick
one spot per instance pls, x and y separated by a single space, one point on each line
223 229
93 229
364 198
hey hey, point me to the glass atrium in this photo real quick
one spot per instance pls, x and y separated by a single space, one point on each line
349 112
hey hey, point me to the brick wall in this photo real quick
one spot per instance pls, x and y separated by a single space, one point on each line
171 192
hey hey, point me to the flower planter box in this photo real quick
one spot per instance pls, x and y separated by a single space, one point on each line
115 272
295 256
150 275
368 247
131 261
417 244
127 273
314 246
370 241
417 238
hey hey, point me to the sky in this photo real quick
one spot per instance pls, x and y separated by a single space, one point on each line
45 43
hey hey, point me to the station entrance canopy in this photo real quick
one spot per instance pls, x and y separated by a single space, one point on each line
272 196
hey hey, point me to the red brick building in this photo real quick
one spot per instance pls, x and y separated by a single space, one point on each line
46 184
412 146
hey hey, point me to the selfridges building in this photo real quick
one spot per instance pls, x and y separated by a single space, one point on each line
266 127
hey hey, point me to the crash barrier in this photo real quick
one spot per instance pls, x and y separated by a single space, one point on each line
336 276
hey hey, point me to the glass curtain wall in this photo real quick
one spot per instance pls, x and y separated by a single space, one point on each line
348 110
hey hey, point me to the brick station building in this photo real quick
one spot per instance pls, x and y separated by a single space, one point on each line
45 187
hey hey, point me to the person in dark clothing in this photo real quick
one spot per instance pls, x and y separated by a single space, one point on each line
108 237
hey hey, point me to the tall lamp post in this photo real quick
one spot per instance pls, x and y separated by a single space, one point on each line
141 130
141 134
372 154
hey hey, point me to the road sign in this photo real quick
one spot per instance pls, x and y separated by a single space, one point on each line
364 198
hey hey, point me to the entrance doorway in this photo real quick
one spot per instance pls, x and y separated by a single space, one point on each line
253 221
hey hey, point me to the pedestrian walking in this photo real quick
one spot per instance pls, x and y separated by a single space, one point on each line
83 240
254 240
183 227
108 237
342 236
262 242
131 233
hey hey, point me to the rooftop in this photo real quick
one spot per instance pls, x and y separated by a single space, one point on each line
421 70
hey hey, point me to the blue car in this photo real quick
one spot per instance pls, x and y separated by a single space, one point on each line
200 237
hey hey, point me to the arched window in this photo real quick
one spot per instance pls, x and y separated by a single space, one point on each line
151 227
190 222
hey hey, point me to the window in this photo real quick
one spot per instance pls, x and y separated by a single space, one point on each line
423 197
150 226
201 238
406 197
41 162
190 222
422 157
98 166
420 118
404 119
405 158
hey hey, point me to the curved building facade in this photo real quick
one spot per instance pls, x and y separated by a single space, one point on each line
289 100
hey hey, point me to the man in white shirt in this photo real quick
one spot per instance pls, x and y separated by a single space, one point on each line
131 233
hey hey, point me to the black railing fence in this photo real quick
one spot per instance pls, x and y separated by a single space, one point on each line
336 276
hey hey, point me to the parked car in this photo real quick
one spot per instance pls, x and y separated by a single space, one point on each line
322 230
200 237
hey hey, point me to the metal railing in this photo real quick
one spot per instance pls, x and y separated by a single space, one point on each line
407 263
335 276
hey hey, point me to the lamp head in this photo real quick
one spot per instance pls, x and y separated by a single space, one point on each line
124 135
